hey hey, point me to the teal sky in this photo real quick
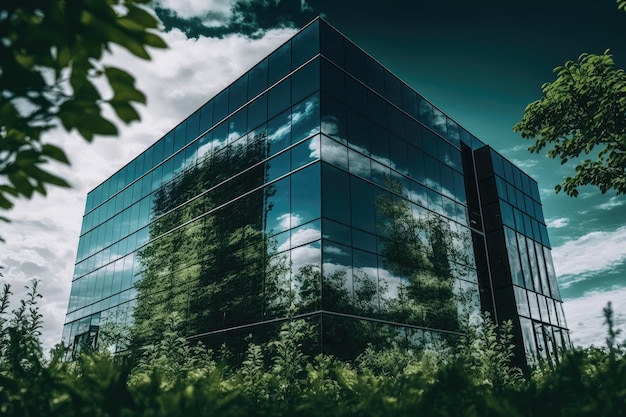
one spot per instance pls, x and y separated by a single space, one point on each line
482 62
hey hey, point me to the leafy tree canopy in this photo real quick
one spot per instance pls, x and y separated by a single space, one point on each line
583 112
50 63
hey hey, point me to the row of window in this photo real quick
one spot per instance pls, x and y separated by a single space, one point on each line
539 308
489 162
339 185
518 199
332 334
250 121
289 57
348 57
531 265
542 341
523 223
355 282
264 141
375 141
300 121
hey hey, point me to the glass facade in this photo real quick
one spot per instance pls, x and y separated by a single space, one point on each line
318 186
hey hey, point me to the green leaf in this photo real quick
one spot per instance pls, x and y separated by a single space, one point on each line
43 176
55 153
125 111
123 85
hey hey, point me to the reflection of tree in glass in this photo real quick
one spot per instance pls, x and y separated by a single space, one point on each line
425 252
343 338
215 269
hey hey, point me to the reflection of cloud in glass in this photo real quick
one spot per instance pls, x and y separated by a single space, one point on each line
439 121
287 220
310 107
283 131
334 250
418 197
334 153
300 237
330 125
305 255
315 147
331 268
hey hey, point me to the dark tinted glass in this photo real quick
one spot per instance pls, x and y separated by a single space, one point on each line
375 76
333 118
333 81
180 136
429 141
279 63
238 93
334 231
395 119
335 192
331 44
398 153
257 79
393 89
377 108
362 208
168 147
277 166
433 176
409 101
192 126
355 61
257 112
305 193
358 135
305 81
305 44
279 98
379 142
356 95
206 116
413 132
416 164
220 106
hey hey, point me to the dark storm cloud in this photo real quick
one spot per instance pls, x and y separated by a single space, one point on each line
250 18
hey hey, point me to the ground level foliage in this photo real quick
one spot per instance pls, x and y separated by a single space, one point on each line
175 378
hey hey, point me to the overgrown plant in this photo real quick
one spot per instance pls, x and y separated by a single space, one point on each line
176 378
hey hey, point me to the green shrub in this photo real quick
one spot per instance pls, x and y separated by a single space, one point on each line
176 378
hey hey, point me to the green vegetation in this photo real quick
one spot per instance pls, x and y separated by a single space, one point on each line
50 66
174 378
583 112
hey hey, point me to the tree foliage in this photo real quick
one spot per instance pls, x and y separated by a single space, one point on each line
175 378
50 69
582 118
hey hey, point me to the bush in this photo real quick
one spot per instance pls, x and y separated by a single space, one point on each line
174 378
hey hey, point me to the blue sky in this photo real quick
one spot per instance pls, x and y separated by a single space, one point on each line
481 62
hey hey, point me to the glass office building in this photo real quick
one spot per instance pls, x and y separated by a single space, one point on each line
317 186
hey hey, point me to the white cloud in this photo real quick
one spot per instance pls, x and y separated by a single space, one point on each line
287 220
592 253
612 203
525 164
585 319
557 223
43 237
514 149
219 9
